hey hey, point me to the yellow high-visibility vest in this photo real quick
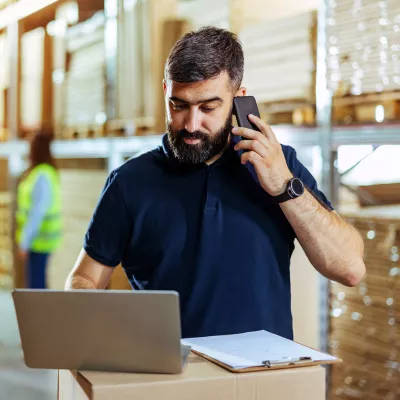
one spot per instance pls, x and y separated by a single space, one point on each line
49 235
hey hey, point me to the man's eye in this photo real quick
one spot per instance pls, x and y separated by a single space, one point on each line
207 109
178 107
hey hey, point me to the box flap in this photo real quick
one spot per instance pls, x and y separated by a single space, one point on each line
196 368
202 379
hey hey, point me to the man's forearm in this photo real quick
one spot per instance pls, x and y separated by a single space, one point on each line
88 274
334 247
78 282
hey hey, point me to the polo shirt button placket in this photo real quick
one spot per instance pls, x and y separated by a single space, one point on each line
211 192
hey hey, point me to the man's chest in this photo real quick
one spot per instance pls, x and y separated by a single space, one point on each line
211 210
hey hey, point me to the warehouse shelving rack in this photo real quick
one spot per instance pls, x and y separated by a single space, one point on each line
116 149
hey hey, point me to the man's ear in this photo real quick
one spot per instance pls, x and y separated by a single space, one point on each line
241 92
164 86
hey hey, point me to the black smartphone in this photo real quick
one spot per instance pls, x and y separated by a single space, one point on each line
242 107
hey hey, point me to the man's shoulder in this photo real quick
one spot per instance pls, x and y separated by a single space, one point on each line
142 160
288 151
141 165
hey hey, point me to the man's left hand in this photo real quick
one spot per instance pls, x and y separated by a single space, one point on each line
265 153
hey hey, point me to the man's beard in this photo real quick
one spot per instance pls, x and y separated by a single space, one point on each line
208 147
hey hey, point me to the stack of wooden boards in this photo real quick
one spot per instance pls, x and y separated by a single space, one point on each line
364 319
364 59
280 61
6 246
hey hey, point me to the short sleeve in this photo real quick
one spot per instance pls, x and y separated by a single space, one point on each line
110 227
301 172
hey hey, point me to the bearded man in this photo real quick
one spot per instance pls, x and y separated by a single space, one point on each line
214 211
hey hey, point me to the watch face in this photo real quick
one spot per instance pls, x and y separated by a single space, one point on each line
297 187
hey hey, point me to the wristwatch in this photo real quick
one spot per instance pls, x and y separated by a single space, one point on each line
294 189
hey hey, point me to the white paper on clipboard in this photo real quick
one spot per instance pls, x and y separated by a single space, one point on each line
254 349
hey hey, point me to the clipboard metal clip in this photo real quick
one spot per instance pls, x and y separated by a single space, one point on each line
286 361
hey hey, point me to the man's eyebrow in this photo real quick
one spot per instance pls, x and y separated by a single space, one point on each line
209 100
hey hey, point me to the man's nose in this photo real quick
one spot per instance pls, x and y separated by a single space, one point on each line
193 122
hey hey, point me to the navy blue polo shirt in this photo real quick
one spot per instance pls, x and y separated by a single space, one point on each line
209 232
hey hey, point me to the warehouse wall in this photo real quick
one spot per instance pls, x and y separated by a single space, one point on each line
81 185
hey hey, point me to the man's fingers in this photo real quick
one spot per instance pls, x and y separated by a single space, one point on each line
252 145
251 156
250 134
264 128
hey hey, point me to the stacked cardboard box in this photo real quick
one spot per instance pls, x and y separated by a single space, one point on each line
198 13
280 58
199 380
6 257
364 46
85 85
32 69
364 319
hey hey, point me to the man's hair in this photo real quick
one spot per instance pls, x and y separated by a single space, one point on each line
205 54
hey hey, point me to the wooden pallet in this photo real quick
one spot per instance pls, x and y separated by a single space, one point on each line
293 112
363 108
123 127
80 132
130 127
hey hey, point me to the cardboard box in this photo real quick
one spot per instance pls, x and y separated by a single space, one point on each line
200 380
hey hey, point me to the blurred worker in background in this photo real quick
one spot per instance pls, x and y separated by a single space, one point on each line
38 230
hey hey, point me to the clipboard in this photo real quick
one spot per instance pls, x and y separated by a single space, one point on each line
270 364
268 351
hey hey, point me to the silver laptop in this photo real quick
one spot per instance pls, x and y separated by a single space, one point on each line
101 330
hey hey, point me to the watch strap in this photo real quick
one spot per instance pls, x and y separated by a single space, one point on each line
289 193
285 196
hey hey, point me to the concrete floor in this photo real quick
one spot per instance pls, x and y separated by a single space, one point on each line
17 381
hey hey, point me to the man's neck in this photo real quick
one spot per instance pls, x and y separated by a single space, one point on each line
219 155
